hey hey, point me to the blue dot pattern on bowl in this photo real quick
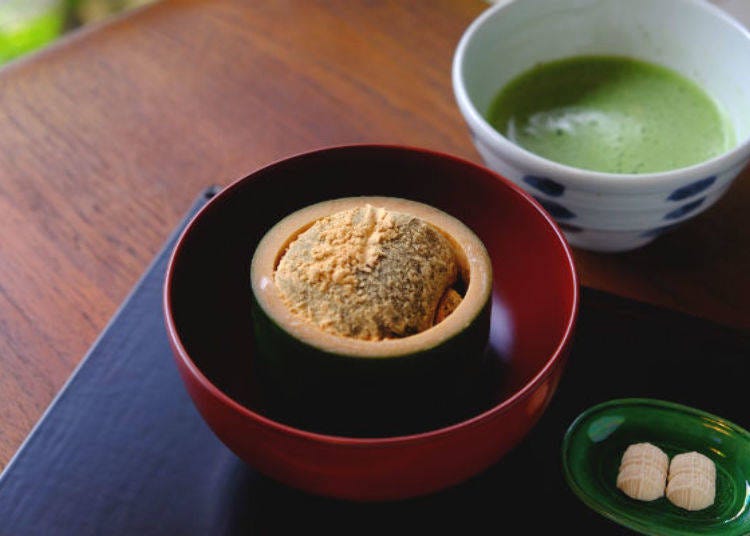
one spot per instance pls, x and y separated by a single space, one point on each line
684 209
568 228
658 230
556 210
544 185
691 189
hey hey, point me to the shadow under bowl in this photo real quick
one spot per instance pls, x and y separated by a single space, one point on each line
207 301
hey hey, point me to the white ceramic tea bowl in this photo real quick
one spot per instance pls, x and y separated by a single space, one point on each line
608 211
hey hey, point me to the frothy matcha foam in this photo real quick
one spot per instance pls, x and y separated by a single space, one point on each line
611 114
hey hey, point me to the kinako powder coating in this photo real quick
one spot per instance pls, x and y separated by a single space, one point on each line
370 274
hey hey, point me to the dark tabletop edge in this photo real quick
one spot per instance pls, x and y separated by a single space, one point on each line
168 244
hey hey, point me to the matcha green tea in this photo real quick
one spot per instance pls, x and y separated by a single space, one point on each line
611 114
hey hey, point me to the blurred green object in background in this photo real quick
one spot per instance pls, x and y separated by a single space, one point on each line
26 25
86 11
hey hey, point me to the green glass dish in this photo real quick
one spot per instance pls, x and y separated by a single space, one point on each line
594 444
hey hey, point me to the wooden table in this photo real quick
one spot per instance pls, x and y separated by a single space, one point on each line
107 137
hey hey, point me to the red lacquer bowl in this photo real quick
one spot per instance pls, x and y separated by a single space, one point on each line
535 303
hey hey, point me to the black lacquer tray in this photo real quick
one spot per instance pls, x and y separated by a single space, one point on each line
123 451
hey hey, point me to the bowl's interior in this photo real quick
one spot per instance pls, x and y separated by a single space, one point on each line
691 37
534 293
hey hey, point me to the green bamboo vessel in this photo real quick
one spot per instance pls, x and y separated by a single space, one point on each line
339 385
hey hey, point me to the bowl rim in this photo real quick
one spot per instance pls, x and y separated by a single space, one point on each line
463 242
556 356
582 178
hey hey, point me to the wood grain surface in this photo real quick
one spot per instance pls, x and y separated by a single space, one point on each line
109 135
